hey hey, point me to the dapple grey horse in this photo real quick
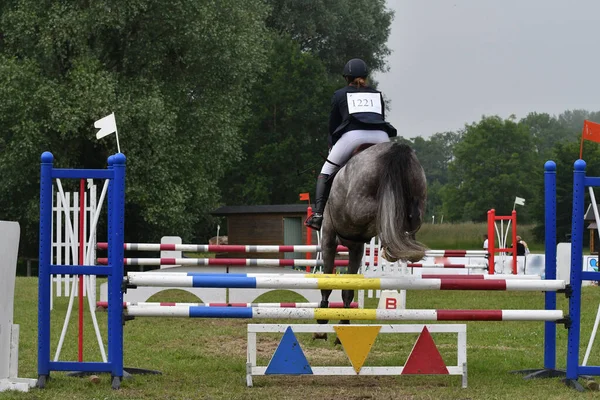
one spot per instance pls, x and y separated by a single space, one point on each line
380 192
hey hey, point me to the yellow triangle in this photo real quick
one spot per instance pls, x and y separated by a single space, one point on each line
357 342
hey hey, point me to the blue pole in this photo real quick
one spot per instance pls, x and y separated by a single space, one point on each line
115 280
111 307
45 251
576 268
550 250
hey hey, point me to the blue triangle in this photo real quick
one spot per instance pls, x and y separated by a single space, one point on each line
288 359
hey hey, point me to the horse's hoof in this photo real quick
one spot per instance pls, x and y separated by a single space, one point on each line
319 336
322 321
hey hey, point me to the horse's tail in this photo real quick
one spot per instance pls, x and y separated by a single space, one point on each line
401 203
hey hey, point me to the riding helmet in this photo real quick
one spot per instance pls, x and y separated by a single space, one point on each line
356 68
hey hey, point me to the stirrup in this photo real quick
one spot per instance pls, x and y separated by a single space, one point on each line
314 221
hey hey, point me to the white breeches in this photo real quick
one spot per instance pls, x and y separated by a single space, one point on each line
343 148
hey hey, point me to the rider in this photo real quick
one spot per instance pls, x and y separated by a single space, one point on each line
357 117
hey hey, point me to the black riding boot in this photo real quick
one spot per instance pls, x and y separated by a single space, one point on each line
321 196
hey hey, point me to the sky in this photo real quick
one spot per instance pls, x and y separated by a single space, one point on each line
454 61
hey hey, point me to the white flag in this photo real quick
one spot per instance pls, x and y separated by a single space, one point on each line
107 126
520 201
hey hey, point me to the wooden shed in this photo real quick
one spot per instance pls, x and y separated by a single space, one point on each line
266 225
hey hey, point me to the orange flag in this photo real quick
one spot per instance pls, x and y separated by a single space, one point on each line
306 196
591 131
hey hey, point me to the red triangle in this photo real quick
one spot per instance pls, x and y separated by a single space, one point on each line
425 357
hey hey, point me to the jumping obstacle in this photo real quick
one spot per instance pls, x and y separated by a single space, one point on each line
357 341
262 262
574 369
114 271
315 282
346 314
232 248
492 218
9 333
126 304
74 229
115 174
343 276
171 260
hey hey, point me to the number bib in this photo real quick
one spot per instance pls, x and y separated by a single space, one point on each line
360 102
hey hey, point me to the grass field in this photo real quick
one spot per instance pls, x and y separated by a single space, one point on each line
469 235
205 358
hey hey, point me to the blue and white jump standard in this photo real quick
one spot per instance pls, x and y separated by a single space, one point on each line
114 270
574 369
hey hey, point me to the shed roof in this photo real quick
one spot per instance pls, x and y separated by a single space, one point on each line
261 209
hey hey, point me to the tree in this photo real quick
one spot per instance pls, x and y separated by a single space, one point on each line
492 164
435 156
287 131
335 31
546 131
176 76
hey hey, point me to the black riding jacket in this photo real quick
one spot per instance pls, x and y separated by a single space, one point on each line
346 117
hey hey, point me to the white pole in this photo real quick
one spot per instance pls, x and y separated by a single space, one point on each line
594 206
593 335
71 240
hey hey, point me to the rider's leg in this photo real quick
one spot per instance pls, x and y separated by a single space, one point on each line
321 194
339 155
343 148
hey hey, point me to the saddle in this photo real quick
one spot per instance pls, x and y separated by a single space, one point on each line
358 149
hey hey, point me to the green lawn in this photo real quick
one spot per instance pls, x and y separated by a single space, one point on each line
205 358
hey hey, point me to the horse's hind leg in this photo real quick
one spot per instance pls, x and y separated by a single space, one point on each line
355 259
328 249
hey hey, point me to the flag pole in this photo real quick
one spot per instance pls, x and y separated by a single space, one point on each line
118 146
117 136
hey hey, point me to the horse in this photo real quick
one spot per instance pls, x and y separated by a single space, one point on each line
382 192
